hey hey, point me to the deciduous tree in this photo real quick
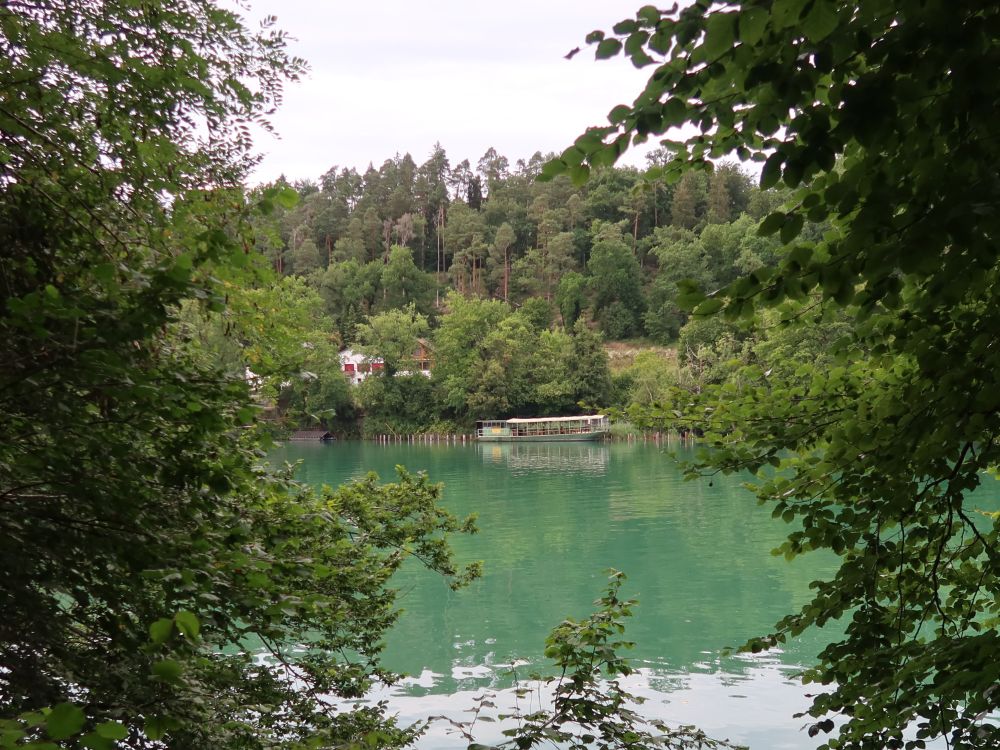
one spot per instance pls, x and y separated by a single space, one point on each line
392 336
616 282
404 284
144 547
458 345
880 116
588 367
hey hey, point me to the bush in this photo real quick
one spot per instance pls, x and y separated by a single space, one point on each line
622 430
618 321
404 404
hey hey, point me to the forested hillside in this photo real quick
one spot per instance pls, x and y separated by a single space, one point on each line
610 250
511 281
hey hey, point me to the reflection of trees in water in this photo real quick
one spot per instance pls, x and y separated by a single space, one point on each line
697 556
551 522
587 458
758 708
483 671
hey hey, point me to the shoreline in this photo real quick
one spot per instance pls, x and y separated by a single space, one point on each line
466 438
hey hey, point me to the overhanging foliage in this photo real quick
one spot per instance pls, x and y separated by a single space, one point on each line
882 116
146 556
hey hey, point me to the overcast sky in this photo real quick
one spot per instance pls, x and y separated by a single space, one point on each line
399 75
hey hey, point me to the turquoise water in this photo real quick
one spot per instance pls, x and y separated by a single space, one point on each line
553 518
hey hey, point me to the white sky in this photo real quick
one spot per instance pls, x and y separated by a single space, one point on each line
397 76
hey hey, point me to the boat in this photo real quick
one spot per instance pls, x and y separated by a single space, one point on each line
543 429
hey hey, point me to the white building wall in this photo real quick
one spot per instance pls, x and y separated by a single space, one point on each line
350 357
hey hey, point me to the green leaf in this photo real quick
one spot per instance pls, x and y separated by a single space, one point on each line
634 43
786 12
689 294
604 156
791 227
287 197
619 113
674 111
104 273
709 307
188 624
799 255
592 139
156 727
661 41
720 34
821 21
608 48
579 173
752 24
550 169
64 721
159 631
94 741
168 670
572 156
844 293
771 224
112 730
11 737
649 15
640 59
792 175
771 172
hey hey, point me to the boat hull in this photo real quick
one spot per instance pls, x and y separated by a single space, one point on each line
569 437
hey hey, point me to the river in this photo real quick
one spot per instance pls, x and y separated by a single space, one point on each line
553 518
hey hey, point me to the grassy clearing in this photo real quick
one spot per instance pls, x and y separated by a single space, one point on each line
622 354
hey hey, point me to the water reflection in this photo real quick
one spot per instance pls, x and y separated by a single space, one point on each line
520 458
553 517
717 702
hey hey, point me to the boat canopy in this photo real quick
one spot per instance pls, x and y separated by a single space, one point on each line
526 420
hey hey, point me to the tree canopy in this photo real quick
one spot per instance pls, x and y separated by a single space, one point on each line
147 554
880 117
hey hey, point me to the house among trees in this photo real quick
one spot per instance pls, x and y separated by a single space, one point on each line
357 366
423 358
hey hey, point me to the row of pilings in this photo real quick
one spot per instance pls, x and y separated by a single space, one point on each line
425 439
655 437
